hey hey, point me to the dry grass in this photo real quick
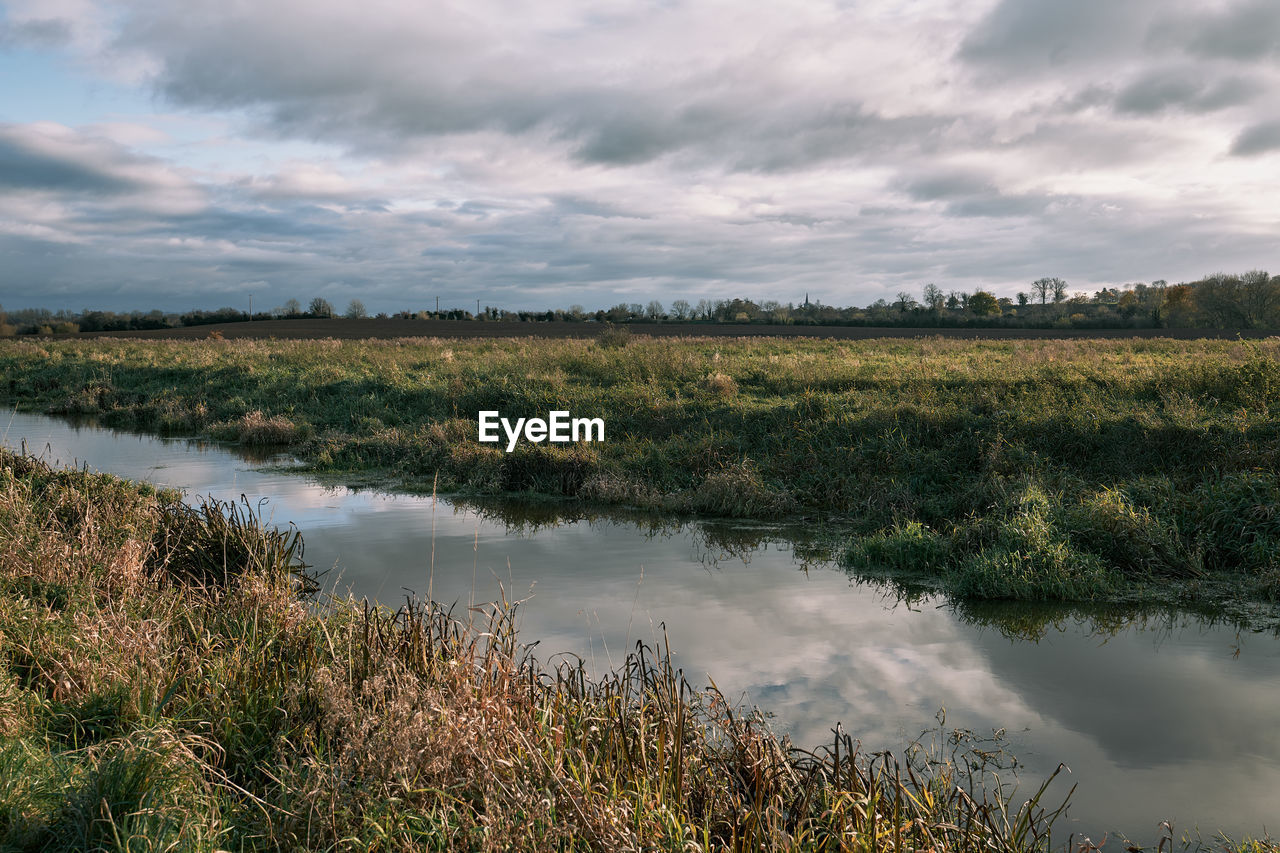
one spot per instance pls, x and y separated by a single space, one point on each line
255 428
167 685
720 384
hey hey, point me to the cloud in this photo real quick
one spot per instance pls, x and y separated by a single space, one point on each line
947 184
35 33
637 149
1182 89
1242 31
1030 36
1258 139
33 161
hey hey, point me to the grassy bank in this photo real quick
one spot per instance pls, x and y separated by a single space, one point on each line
166 684
1037 470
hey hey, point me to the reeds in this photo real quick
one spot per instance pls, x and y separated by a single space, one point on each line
165 684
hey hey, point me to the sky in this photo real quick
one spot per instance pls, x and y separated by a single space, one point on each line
533 155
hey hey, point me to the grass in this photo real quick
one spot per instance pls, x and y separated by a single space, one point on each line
169 682
1032 470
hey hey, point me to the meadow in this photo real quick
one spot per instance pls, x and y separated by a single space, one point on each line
1020 469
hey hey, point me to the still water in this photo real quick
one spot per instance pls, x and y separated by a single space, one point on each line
1162 717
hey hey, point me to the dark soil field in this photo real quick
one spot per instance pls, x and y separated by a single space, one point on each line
361 329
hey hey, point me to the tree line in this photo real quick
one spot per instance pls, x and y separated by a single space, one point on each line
1249 300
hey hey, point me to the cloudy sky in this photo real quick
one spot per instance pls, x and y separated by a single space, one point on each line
179 155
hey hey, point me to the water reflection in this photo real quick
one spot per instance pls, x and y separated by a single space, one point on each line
1159 714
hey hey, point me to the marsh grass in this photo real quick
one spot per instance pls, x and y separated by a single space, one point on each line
167 685
1148 460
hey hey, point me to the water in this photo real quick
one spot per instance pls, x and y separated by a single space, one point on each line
1161 717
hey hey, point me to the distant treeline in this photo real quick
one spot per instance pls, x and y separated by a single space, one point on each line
1248 300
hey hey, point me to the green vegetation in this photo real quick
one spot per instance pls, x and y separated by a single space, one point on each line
1035 470
167 683
1249 300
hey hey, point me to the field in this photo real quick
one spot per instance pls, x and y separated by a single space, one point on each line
344 329
1031 469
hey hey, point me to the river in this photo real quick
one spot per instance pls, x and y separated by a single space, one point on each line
1159 716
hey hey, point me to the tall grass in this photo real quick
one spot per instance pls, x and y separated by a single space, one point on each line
1037 469
168 682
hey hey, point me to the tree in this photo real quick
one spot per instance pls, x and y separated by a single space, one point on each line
1059 289
984 304
1023 299
320 308
292 308
905 301
355 310
653 310
953 300
1178 304
680 308
1042 287
934 297
1260 298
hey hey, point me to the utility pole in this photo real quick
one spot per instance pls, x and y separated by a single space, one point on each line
437 307
477 307
250 307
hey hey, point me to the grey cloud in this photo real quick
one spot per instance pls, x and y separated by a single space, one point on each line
1033 35
626 141
23 165
1187 90
38 32
573 205
794 141
946 184
1258 139
379 91
1243 31
996 205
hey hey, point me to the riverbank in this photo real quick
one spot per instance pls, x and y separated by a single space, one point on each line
167 681
1035 470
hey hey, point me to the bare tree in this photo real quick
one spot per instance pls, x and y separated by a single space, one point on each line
653 310
680 308
355 310
1260 298
934 297
320 307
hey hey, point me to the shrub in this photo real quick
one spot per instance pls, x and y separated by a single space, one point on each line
257 429
1127 537
720 384
613 337
907 547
